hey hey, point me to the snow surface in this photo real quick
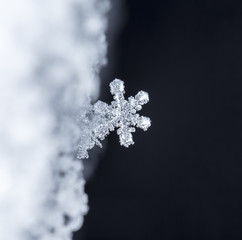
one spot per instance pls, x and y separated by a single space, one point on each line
51 52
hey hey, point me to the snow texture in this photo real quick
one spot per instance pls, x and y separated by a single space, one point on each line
121 114
51 52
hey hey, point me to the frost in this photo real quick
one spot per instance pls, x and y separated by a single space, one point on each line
121 115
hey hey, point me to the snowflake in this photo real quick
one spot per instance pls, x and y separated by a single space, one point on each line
121 114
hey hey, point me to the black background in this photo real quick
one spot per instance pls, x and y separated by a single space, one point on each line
183 178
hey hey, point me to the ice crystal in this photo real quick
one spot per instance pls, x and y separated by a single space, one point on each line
121 114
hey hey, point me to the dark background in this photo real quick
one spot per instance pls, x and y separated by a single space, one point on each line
183 178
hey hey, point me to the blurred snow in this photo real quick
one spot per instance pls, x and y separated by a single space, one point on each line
51 52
